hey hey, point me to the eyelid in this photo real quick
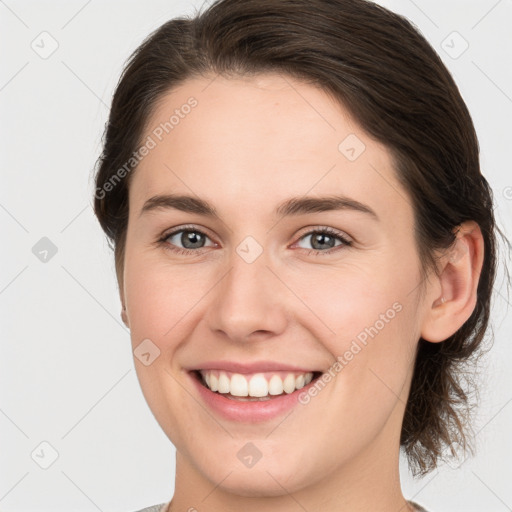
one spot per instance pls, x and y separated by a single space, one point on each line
186 227
319 228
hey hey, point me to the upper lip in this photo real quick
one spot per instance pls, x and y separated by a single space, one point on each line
254 367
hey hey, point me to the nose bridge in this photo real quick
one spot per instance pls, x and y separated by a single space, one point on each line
248 298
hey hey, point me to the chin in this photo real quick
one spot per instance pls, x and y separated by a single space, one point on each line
271 476
260 484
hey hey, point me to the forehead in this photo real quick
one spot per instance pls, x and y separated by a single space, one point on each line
262 138
269 112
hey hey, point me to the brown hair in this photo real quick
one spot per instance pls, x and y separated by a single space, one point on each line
385 73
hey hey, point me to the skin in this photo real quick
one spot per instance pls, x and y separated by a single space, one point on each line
250 144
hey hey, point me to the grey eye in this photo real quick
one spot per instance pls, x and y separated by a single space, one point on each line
188 238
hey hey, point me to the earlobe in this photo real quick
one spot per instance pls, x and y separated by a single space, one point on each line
120 280
124 316
461 267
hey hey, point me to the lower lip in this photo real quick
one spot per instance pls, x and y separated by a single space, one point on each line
250 411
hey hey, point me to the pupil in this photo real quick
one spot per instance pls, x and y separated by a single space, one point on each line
191 237
321 238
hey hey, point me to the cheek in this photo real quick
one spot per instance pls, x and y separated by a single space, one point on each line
367 320
158 296
345 302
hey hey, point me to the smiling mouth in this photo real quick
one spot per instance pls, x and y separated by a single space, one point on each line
253 387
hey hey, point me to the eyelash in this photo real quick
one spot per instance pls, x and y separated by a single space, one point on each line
310 252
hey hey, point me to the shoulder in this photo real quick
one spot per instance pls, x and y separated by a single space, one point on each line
155 508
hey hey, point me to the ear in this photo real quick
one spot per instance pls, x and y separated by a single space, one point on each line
453 297
124 315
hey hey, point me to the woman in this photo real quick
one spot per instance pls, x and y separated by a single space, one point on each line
305 251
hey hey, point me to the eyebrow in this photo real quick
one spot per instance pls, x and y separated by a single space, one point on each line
290 207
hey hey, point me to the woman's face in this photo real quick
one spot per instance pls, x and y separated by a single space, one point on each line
259 291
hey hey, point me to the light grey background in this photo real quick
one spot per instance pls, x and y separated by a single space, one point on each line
66 368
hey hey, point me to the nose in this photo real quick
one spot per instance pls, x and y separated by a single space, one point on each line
249 303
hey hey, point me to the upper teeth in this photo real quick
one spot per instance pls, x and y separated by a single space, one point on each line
257 384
